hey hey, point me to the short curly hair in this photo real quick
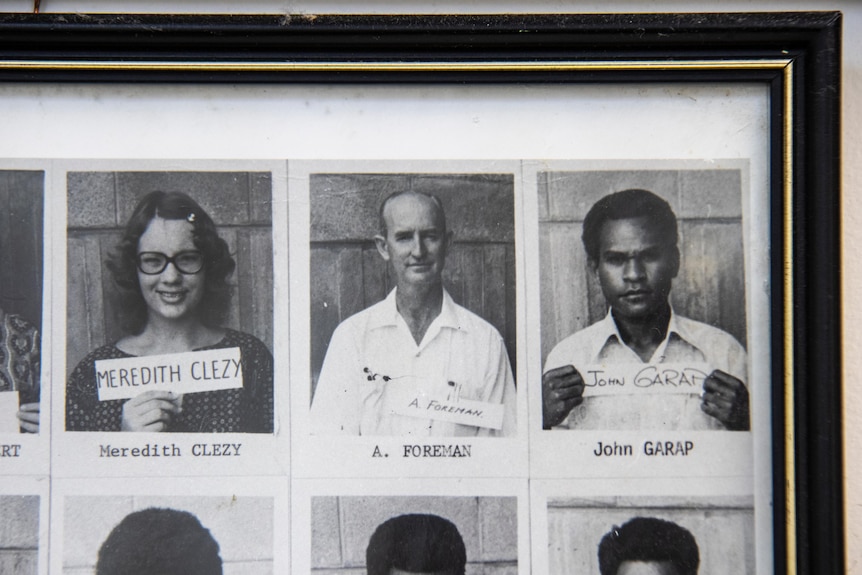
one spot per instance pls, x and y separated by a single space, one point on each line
416 543
218 262
159 540
649 539
624 205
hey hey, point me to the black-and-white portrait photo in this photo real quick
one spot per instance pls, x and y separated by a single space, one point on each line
140 535
170 287
416 535
651 536
643 300
413 304
19 535
21 276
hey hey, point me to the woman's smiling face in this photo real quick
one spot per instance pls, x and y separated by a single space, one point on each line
171 294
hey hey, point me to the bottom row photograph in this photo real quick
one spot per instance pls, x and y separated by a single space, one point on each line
379 535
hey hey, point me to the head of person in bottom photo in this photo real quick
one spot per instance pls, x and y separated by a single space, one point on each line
416 544
648 546
159 541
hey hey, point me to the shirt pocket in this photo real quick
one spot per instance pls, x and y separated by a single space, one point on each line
463 379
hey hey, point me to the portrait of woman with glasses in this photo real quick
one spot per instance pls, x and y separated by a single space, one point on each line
171 271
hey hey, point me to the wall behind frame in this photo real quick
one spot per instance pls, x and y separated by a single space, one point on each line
100 203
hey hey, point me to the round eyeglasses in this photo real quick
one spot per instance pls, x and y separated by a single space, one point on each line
188 262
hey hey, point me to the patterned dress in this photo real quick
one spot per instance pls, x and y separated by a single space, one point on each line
19 357
245 410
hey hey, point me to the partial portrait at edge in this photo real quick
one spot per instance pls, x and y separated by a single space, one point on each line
21 280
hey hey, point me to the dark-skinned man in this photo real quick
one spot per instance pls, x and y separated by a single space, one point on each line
631 242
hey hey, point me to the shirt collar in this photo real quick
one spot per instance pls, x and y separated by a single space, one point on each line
607 329
386 313
676 327
449 314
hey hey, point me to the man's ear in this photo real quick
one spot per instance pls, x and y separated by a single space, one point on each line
449 236
593 265
675 263
382 247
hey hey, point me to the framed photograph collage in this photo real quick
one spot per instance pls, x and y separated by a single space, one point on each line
490 295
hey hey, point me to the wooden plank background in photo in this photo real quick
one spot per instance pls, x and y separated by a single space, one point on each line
710 286
100 203
21 207
348 275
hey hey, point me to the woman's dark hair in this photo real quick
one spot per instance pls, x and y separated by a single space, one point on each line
218 263
417 544
649 539
163 541
628 204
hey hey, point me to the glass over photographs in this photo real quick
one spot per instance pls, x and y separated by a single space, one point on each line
793 57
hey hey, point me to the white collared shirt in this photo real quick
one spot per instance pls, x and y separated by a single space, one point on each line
373 351
686 341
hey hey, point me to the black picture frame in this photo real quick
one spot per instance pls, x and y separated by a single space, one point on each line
797 55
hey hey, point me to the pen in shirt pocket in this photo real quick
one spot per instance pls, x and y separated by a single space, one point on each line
455 392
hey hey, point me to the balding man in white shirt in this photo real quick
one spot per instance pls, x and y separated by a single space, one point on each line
415 364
